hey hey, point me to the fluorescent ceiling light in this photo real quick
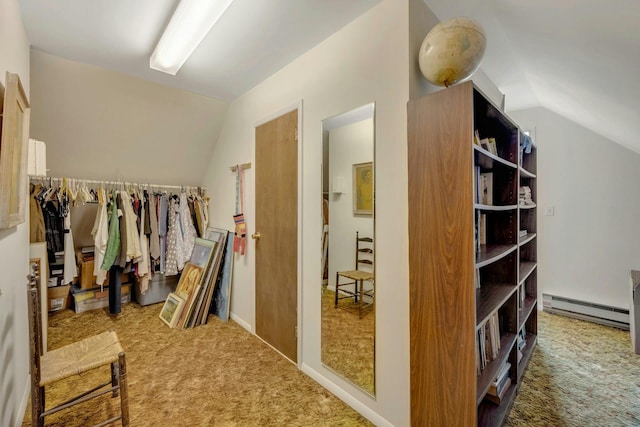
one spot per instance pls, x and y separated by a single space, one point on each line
190 23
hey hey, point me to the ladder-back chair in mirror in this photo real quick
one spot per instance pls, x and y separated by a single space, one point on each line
72 360
354 286
348 196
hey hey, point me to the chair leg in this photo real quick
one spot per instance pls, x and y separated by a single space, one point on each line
124 394
114 378
336 295
37 406
361 298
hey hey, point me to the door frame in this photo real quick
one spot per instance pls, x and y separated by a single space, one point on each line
284 110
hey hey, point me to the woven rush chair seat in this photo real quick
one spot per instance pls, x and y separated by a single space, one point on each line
357 275
79 357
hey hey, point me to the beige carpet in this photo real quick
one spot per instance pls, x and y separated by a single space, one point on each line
580 374
213 375
348 345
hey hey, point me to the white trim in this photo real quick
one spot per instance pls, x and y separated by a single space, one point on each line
23 403
242 323
287 109
300 237
276 350
346 397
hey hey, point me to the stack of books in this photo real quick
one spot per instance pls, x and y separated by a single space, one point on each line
488 343
500 385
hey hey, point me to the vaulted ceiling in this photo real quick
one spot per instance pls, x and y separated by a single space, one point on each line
578 58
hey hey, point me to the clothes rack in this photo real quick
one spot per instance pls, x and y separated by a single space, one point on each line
120 184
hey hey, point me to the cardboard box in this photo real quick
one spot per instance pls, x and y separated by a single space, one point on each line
93 299
88 280
58 298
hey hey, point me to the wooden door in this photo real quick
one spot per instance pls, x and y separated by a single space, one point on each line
276 171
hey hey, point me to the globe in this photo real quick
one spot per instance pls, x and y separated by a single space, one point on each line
452 51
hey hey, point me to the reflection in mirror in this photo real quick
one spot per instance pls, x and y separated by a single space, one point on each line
348 309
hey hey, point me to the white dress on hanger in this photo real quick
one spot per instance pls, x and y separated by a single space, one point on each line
100 233
70 267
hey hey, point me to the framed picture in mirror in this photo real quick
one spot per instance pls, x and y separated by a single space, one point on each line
363 188
14 139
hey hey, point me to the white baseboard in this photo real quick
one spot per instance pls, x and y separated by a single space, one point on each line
23 402
347 398
241 322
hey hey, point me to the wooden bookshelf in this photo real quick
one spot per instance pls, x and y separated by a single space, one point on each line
447 312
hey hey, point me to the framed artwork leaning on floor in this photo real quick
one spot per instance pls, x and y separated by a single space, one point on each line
172 309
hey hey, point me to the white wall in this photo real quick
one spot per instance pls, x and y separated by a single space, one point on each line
348 145
365 61
14 248
585 251
101 124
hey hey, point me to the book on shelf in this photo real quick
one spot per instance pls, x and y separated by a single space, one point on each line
476 137
498 384
476 184
484 143
476 278
522 338
522 233
493 147
498 398
482 229
521 297
486 188
489 341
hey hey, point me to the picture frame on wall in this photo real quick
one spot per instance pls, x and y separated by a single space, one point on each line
14 140
363 188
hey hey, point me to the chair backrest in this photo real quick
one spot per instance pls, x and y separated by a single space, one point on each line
35 322
364 251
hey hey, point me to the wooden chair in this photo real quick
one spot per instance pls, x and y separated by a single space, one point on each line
357 277
73 359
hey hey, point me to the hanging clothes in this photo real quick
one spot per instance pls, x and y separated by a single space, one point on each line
144 263
70 266
163 218
189 233
132 246
100 233
154 238
113 244
171 266
54 229
37 230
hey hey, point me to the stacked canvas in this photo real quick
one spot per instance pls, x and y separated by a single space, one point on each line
205 283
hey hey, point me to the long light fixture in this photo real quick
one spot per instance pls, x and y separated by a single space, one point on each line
190 23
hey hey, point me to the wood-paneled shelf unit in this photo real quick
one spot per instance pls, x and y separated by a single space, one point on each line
472 267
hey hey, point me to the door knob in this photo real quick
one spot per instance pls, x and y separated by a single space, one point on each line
255 236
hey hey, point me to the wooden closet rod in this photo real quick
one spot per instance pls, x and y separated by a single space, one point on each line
41 178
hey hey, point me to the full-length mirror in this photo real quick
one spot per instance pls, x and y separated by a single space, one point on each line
348 285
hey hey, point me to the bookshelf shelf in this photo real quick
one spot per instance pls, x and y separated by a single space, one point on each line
526 267
487 160
462 239
491 370
490 414
526 239
482 207
491 253
489 297
526 174
525 312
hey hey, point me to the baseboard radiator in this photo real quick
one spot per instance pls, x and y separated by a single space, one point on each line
597 313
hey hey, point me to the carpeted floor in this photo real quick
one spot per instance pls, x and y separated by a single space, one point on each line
581 374
213 375
347 341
